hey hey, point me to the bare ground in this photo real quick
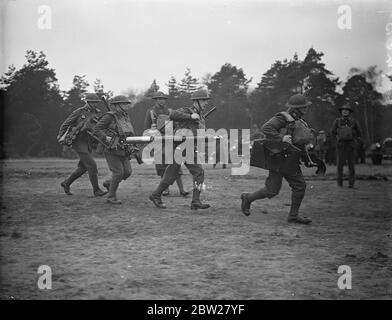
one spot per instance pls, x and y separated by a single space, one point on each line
136 251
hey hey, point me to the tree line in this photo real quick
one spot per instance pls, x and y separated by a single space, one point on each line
33 106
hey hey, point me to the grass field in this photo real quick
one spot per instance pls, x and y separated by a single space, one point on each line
136 251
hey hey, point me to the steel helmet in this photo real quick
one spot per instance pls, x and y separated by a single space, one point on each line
200 95
346 107
298 101
159 95
92 97
119 99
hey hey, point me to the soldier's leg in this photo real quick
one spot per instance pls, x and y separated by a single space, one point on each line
271 188
126 168
340 164
79 171
168 178
116 167
180 184
161 168
89 163
298 187
197 172
351 166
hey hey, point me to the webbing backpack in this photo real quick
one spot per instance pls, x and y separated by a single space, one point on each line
160 120
345 132
300 131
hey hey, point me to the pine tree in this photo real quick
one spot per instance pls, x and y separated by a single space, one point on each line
172 87
100 91
33 108
188 84
228 89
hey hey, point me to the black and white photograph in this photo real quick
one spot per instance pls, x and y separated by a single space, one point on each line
203 151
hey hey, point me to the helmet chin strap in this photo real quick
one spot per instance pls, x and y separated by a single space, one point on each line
198 103
90 108
295 112
200 107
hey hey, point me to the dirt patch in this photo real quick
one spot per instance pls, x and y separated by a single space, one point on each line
136 251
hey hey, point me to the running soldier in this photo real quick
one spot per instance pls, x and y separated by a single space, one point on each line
113 128
186 118
156 119
73 132
282 128
347 132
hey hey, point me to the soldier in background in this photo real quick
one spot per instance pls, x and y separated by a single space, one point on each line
281 128
77 124
112 128
156 119
190 118
346 130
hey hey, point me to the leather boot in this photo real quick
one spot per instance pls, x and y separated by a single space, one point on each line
66 184
293 215
113 188
96 189
156 196
113 200
299 219
196 203
245 204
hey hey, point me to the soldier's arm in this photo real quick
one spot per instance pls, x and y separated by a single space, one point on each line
102 125
70 121
180 115
272 127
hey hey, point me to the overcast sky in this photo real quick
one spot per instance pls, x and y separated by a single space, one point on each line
129 43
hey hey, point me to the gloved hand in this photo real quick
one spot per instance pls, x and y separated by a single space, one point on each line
287 138
195 116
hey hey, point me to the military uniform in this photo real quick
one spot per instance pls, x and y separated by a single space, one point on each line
346 130
183 120
156 118
275 129
82 145
114 125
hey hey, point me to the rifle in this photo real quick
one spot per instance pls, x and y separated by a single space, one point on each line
209 112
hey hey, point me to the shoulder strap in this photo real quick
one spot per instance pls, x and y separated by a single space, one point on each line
288 116
153 116
340 122
120 131
349 124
